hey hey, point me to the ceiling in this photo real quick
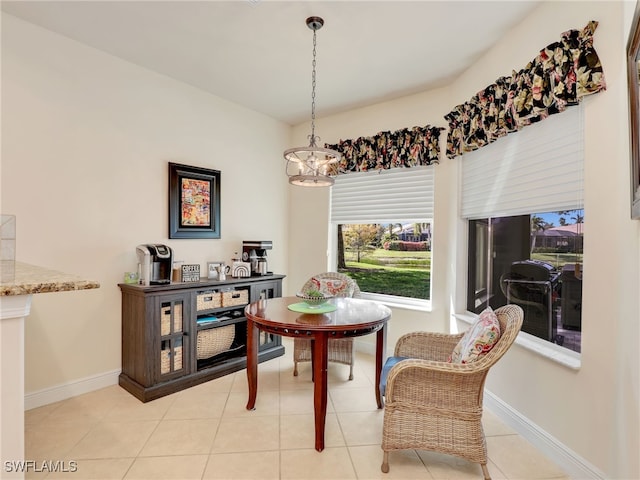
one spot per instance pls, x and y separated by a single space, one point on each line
259 53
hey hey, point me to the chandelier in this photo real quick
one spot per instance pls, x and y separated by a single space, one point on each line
308 166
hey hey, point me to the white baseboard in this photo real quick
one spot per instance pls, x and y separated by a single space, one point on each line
68 390
570 461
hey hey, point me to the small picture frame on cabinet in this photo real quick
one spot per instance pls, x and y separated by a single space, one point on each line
212 270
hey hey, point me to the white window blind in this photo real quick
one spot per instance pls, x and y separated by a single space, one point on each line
537 169
387 196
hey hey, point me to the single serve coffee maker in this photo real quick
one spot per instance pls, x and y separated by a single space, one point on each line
154 264
255 252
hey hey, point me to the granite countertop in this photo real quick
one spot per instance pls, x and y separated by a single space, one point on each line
28 279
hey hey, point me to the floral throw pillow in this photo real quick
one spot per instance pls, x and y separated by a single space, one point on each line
333 286
478 340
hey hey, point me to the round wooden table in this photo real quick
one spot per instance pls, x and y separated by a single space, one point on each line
352 318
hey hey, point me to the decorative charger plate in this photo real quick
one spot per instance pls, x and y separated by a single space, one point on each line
302 307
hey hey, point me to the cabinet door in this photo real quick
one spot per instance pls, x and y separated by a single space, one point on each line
264 291
173 354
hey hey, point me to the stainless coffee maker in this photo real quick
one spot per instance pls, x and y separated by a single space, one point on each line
255 252
154 264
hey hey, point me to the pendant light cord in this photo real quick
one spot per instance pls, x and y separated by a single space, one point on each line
312 137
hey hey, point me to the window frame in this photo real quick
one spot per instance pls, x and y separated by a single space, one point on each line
396 190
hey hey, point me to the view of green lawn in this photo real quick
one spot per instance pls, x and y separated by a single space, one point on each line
558 260
405 274
408 274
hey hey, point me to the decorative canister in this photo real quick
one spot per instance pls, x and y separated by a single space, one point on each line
241 269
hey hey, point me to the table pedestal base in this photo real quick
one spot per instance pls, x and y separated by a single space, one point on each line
319 362
352 318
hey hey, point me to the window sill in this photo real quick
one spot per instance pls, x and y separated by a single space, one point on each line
556 353
399 302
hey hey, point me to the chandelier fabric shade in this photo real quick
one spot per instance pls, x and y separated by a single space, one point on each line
309 166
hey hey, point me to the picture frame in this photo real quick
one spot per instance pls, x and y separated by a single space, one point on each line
633 81
194 202
212 273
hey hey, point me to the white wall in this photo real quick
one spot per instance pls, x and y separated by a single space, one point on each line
86 139
592 412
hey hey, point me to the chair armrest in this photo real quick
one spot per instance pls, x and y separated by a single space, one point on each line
427 345
430 384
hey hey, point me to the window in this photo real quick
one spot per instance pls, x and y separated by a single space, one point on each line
523 197
382 230
388 259
534 261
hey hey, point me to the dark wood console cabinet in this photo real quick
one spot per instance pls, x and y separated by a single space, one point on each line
178 335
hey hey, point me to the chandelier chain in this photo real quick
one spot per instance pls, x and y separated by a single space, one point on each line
312 137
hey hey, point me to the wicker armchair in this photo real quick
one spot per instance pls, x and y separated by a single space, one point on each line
340 349
431 404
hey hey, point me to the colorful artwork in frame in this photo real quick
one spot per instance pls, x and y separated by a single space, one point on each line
194 202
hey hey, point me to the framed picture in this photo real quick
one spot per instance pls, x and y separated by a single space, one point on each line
194 202
212 272
633 80
190 273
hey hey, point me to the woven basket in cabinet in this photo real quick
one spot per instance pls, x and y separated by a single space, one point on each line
234 298
207 300
213 341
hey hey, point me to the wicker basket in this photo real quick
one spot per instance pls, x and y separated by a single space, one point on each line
214 341
165 360
177 317
207 300
235 297
165 320
177 358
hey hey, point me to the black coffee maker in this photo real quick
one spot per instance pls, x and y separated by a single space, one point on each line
255 252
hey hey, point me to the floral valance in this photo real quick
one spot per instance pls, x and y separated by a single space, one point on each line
408 147
561 74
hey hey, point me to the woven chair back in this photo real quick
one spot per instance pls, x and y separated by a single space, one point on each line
352 285
510 318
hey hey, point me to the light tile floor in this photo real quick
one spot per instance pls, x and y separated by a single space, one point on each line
206 433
